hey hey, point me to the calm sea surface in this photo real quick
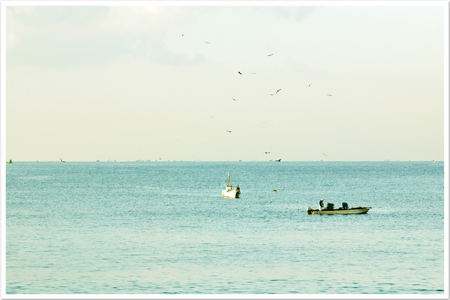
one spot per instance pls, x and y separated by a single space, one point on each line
163 227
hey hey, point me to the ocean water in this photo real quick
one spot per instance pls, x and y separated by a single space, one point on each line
163 228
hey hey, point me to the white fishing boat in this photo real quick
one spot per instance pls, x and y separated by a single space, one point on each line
344 210
229 192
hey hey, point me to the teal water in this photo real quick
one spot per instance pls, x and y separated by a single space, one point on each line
163 227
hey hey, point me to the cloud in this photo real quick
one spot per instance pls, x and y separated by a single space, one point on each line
60 37
68 36
299 13
53 52
160 55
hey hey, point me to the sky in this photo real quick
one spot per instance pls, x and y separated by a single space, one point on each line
194 83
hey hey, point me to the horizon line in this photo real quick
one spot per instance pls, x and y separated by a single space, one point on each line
141 160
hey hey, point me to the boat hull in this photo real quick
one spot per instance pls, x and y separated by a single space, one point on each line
350 211
231 194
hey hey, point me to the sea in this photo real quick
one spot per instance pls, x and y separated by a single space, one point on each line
162 227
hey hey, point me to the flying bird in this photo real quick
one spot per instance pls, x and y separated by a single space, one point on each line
270 54
324 154
239 73
207 42
309 84
62 160
267 152
229 131
329 95
234 99
275 191
275 92
278 160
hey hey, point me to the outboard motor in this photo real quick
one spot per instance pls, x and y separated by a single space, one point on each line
330 206
344 205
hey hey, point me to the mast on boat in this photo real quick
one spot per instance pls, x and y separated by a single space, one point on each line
228 180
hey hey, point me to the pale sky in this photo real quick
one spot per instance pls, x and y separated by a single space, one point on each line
140 82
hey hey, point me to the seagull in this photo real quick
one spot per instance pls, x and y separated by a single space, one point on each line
309 84
275 92
270 54
329 95
229 131
239 73
324 154
278 160
252 73
234 99
275 191
207 42
267 152
61 160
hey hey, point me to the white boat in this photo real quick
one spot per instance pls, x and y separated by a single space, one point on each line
344 210
229 192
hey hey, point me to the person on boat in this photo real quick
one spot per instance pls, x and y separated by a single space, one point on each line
321 204
237 188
